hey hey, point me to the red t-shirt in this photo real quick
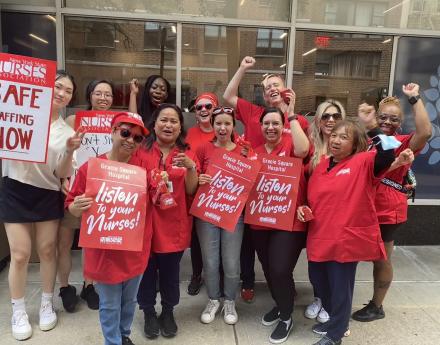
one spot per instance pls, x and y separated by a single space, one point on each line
392 205
345 227
196 137
112 266
171 227
249 114
286 149
208 150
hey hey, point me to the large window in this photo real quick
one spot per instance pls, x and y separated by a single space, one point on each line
348 67
119 51
271 42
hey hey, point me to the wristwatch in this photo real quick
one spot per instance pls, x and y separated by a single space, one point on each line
292 117
413 100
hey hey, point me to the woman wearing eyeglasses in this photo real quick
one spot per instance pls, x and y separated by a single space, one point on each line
117 272
165 151
99 96
327 115
391 203
198 135
278 250
218 245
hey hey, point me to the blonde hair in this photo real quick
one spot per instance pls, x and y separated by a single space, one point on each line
315 133
390 100
271 75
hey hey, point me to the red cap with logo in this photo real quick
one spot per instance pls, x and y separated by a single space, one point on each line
132 118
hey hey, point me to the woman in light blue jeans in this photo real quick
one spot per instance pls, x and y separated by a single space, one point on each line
216 242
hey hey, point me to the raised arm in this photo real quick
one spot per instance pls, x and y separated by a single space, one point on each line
134 90
421 119
231 93
301 143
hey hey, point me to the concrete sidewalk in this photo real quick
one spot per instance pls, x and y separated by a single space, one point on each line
412 309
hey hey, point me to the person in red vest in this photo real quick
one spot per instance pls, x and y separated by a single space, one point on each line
345 229
279 250
165 151
117 273
391 198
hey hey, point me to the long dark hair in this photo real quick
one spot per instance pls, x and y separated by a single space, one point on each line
63 74
91 87
145 106
151 138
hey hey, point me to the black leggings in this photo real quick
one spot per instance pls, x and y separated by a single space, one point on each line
278 252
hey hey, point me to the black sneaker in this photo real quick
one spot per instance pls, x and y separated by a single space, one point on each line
194 285
320 328
271 317
281 332
369 313
69 298
151 325
89 294
168 327
327 341
126 341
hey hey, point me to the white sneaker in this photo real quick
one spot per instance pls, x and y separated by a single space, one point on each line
323 316
208 314
230 314
48 317
21 328
313 309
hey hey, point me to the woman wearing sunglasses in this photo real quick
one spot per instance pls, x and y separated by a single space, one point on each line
218 245
327 115
117 272
165 151
279 250
99 96
198 135
391 203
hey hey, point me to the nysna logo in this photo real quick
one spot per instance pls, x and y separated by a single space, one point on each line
282 154
343 172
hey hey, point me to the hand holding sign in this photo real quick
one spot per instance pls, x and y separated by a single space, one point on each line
204 179
80 204
74 142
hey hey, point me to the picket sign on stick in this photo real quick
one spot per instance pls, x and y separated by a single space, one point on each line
26 88
272 200
116 219
221 202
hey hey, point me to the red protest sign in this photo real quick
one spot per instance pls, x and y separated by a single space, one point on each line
26 88
272 201
221 202
97 139
116 219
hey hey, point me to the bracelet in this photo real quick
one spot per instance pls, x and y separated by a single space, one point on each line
413 100
292 117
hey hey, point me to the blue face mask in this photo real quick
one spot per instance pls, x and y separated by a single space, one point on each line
389 142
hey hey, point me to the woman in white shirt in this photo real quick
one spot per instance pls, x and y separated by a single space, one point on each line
30 197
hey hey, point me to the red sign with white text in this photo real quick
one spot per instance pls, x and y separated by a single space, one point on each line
221 202
26 88
272 201
116 219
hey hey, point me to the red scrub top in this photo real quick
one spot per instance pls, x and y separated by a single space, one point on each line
171 227
285 148
345 227
249 114
208 150
196 137
392 205
106 265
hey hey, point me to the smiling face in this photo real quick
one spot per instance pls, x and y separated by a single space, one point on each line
272 127
272 91
101 97
329 119
158 92
341 143
167 127
63 92
125 146
203 114
389 118
223 128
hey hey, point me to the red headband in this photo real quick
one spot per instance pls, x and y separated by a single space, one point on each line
208 95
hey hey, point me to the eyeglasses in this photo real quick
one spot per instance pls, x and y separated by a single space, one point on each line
126 133
336 116
221 110
207 106
392 118
99 94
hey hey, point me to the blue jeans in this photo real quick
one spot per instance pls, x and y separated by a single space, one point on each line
215 241
117 304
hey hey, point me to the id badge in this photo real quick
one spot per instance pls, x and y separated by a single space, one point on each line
170 186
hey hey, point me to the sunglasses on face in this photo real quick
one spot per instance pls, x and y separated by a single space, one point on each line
392 118
336 116
126 133
207 106
223 110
